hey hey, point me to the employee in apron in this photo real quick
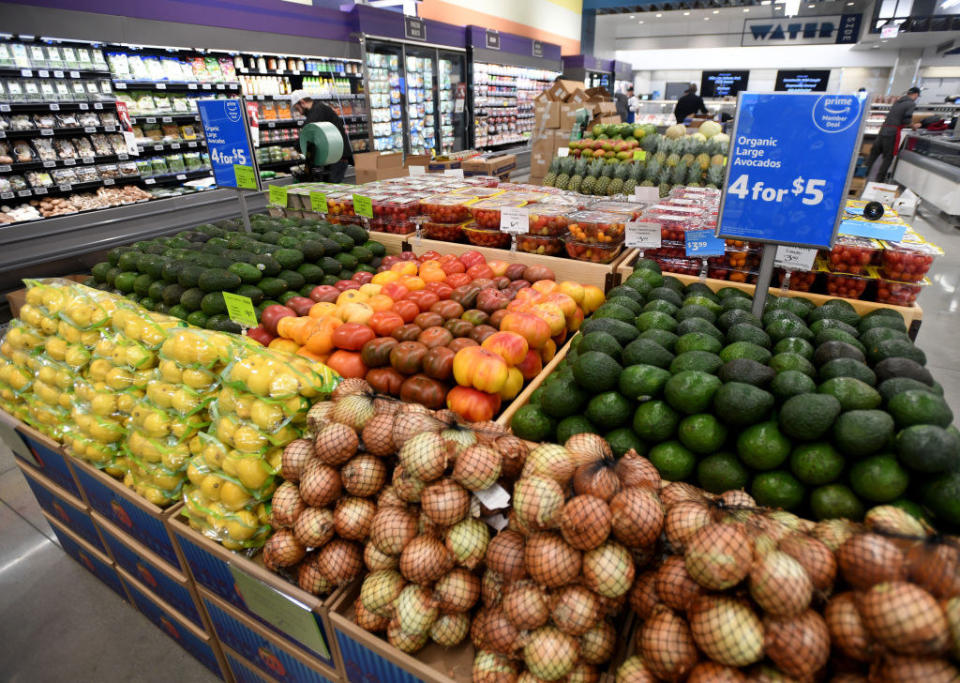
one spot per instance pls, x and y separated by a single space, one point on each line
315 111
900 116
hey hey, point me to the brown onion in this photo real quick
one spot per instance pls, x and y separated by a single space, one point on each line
526 605
951 609
633 670
538 501
846 628
550 560
340 561
376 560
635 470
501 636
366 619
490 667
608 570
683 520
815 557
673 585
892 521
799 644
513 452
424 560
666 645
363 475
587 448
550 654
353 517
905 618
585 522
637 517
900 669
711 672
867 559
597 644
935 567
682 492
505 555
643 595
457 591
377 436
295 456
780 585
597 478
552 461
575 610
727 630
834 532
720 556
445 502
392 528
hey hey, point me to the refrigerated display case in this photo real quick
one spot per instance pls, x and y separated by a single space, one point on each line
385 91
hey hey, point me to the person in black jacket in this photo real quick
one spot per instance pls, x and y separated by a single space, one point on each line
315 111
689 103
900 115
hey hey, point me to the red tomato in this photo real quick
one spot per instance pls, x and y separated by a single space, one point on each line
448 309
344 285
352 336
407 356
472 258
385 380
407 310
423 299
385 322
346 363
429 256
441 289
424 390
438 363
458 280
481 332
271 316
260 335
481 270
376 352
459 327
389 261
452 267
395 291
461 343
447 258
301 305
408 332
407 256
428 319
435 336
324 293
473 405
362 276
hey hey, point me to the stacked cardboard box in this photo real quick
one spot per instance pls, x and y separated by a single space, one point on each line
555 112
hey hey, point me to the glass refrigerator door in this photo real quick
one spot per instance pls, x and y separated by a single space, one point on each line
452 95
386 84
421 99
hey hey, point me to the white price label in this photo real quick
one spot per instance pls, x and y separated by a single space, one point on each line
59 74
54 107
66 187
453 173
515 220
493 498
131 141
109 181
149 181
120 86
167 119
647 194
161 86
191 86
74 74
181 176
563 152
151 119
794 258
417 170
97 105
641 235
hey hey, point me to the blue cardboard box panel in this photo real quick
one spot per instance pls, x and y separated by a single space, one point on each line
49 459
243 671
93 560
63 507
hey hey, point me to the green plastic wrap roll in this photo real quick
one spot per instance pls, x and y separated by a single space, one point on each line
326 140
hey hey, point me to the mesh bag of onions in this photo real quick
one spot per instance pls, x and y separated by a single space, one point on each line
745 593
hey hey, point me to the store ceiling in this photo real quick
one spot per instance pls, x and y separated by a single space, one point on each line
603 7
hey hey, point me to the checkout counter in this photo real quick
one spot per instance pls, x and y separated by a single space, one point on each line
929 164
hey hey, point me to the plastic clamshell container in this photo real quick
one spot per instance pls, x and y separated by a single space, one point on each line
447 208
702 193
485 237
486 212
852 254
448 232
746 258
907 261
685 266
675 220
597 227
845 285
524 196
540 244
479 191
731 274
899 293
800 280
340 204
633 211
395 208
668 249
391 226
549 220
591 251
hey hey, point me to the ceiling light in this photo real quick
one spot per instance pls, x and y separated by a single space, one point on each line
850 4
764 2
811 6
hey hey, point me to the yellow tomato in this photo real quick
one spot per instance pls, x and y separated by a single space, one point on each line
351 295
356 312
285 345
404 267
370 289
323 309
413 283
385 278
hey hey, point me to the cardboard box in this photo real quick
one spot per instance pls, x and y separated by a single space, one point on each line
166 582
130 512
568 115
490 164
539 165
41 453
92 559
605 120
262 595
599 93
417 160
369 658
195 641
260 647
605 108
67 509
561 90
17 298
242 670
546 114
370 166
884 193
366 176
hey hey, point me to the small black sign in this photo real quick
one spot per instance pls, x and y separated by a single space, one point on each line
414 28
493 40
537 48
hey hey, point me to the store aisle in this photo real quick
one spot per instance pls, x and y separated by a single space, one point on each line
57 621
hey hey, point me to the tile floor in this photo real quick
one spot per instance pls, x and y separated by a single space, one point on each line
87 630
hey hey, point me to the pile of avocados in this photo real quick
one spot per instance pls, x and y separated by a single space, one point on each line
812 409
185 275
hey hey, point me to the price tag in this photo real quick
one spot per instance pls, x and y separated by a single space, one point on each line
74 74
221 86
192 145
69 162
46 131
453 173
49 164
318 202
417 170
122 157
26 73
563 152
89 129
191 86
240 309
363 206
639 155
181 176
794 258
287 614
493 498
246 178
271 124
166 119
109 181
151 119
161 86
158 148
702 243
87 160
84 106
39 190
174 145
4 107
54 107
643 235
515 220
149 181
119 85
59 74
24 193
97 105
6 195
647 194
43 73
278 195
65 187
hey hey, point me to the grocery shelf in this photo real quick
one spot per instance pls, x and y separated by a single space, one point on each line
60 163
170 145
164 117
14 107
273 123
47 72
305 72
56 132
121 84
67 188
178 177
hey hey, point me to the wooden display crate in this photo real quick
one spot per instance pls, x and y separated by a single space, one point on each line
270 656
64 507
89 557
196 641
368 658
250 588
39 452
912 315
129 511
600 275
169 584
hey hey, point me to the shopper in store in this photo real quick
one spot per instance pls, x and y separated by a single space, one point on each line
689 103
315 111
622 99
634 104
900 116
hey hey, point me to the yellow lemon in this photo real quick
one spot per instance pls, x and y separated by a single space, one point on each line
126 402
195 474
76 356
119 379
30 314
170 372
252 473
242 525
230 462
234 497
211 487
213 456
198 379
267 416
246 439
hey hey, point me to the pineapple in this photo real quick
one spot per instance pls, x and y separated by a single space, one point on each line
703 161
672 161
714 177
621 174
566 166
593 171
664 190
687 158
694 175
646 183
551 178
653 170
678 175
649 143
579 169
636 175
717 160
664 177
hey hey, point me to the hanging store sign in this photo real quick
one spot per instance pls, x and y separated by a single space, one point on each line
788 185
414 28
827 30
492 40
537 49
227 130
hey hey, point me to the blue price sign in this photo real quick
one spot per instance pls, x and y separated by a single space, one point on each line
227 131
703 243
791 157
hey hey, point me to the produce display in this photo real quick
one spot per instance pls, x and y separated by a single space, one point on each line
503 98
810 409
281 262
439 330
